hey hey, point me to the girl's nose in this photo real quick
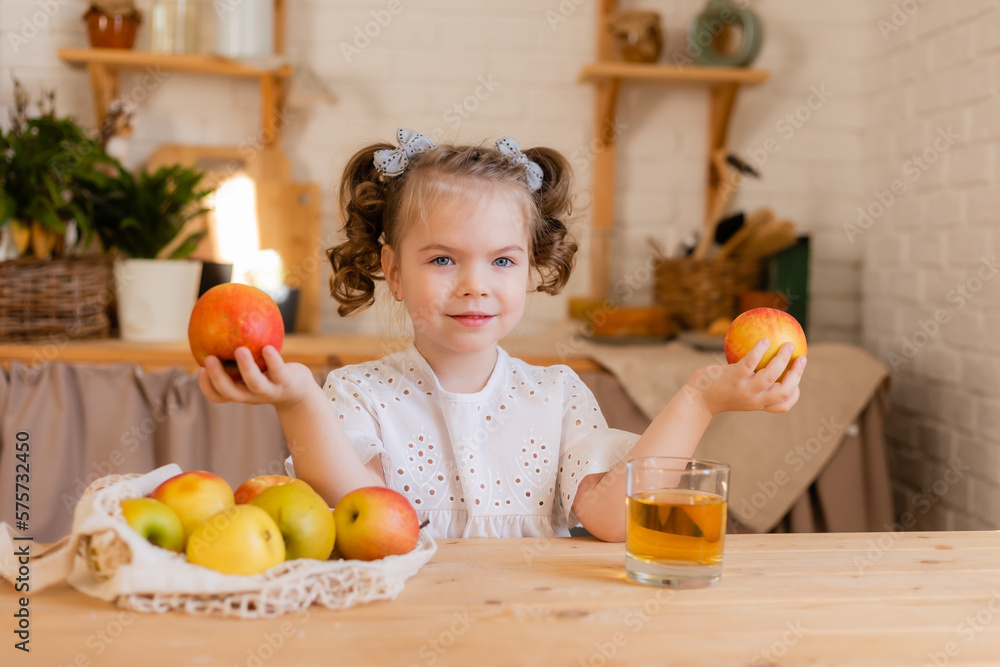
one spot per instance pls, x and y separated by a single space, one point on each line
473 283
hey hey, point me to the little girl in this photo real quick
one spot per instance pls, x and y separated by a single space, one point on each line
481 443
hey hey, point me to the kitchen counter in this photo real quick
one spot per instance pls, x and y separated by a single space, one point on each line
316 351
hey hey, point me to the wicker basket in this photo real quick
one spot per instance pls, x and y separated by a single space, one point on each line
68 296
698 291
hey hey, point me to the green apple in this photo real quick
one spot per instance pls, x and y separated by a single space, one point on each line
241 539
374 522
155 522
303 518
194 496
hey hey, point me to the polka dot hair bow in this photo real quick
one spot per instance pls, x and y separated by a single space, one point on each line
509 147
393 162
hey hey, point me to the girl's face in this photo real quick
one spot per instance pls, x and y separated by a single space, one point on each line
462 274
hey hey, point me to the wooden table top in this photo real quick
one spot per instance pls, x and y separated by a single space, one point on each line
312 350
792 599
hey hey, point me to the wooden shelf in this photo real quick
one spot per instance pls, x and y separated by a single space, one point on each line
602 71
312 350
116 59
607 75
169 62
103 65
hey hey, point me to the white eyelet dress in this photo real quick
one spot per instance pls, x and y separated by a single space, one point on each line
505 461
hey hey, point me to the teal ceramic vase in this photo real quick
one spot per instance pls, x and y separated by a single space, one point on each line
708 26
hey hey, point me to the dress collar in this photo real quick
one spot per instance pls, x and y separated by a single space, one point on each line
496 377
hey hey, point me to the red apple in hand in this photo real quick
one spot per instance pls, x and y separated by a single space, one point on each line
251 488
777 326
374 522
232 315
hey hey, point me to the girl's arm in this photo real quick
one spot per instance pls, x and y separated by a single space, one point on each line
322 454
677 429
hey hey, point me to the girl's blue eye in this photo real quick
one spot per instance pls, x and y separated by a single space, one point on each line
441 261
504 262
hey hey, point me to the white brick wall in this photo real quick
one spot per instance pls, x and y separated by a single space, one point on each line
924 254
431 56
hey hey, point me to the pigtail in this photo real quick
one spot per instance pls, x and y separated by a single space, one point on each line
554 249
357 262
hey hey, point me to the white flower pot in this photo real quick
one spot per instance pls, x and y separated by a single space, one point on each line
155 298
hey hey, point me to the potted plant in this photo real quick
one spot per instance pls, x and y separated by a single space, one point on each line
144 220
49 286
44 162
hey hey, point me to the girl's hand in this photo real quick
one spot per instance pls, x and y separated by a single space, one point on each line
283 385
738 387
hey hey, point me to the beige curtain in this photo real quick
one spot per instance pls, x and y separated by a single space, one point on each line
86 421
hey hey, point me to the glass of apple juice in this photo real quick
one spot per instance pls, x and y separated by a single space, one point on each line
676 521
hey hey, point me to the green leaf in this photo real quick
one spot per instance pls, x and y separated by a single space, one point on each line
49 219
143 214
46 166
184 250
7 208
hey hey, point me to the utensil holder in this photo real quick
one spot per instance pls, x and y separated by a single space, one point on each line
698 291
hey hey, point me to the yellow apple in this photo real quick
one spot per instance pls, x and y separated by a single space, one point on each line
777 326
249 489
303 518
155 522
241 539
374 522
194 496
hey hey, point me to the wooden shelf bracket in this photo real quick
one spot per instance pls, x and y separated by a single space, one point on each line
607 74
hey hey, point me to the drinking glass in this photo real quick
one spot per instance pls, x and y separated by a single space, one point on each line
676 514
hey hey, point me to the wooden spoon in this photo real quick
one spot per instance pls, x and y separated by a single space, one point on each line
723 195
757 219
772 238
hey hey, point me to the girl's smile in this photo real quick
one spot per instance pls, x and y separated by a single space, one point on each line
472 319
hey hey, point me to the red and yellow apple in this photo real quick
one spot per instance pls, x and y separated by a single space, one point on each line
303 517
241 539
777 326
155 522
233 315
194 496
251 488
374 522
